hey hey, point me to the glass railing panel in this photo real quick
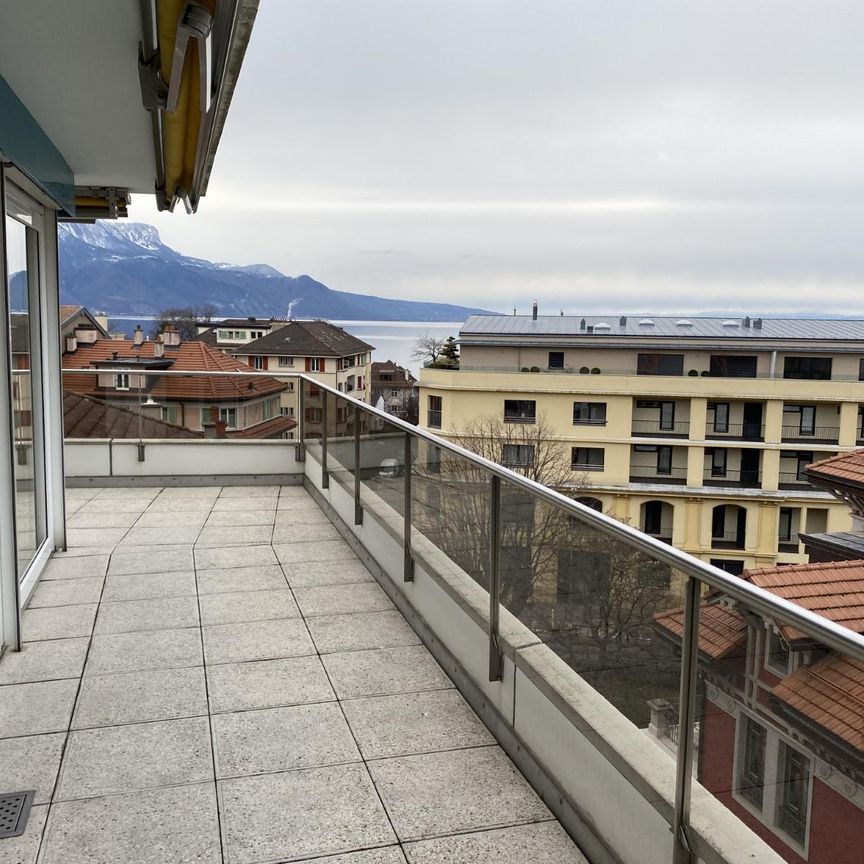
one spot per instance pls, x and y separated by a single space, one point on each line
382 472
341 420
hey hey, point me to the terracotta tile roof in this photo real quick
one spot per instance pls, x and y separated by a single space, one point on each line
722 631
66 312
401 377
273 428
848 467
306 339
84 417
188 356
830 693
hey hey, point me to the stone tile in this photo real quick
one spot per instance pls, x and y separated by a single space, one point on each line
128 493
31 709
225 504
267 684
95 536
296 533
166 559
81 567
383 671
112 519
66 592
157 518
414 723
310 515
138 756
235 518
342 599
24 849
266 578
365 630
237 607
135 697
131 652
31 763
243 535
170 613
57 622
180 507
325 550
256 640
107 505
156 826
279 739
249 492
148 586
44 661
539 843
192 494
384 855
296 502
160 535
454 792
314 573
268 817
233 556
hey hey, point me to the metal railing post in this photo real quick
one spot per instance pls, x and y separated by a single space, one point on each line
301 420
408 568
325 477
358 509
495 660
682 848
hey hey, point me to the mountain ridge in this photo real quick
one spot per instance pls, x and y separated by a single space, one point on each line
124 268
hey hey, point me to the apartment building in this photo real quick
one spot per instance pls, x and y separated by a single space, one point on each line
231 333
394 389
696 430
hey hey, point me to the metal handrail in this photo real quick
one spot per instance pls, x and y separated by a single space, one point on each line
765 603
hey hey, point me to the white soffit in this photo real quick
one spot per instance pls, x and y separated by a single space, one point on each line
74 65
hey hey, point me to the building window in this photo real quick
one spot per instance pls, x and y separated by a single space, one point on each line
121 381
287 410
809 368
664 460
728 565
433 419
587 458
784 531
861 369
268 409
394 394
229 417
718 462
732 366
556 359
751 771
721 417
517 455
591 503
777 655
258 363
316 364
168 413
793 778
286 361
520 411
589 413
660 364
289 387
667 416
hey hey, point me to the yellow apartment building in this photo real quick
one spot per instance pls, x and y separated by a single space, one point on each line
696 430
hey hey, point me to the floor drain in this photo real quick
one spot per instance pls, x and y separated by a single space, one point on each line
14 810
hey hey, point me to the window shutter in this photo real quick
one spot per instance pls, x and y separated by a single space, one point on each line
265 362
308 364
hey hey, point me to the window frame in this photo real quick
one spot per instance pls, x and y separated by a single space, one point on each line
781 670
436 413
518 462
526 415
646 360
285 362
717 425
589 420
802 372
587 465
556 355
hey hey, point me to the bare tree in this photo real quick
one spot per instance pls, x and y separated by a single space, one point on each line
428 348
184 319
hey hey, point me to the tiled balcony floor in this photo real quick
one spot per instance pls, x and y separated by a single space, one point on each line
210 675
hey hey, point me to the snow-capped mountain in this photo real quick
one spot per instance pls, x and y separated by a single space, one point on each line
124 268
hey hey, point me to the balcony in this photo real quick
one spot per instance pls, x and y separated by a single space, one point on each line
656 429
300 657
793 480
812 434
732 477
735 432
653 474
728 540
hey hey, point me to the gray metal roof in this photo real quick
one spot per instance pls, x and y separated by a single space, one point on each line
663 326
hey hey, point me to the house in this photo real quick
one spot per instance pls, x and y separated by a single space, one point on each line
231 333
397 387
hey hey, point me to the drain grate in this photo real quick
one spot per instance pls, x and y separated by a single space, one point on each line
14 810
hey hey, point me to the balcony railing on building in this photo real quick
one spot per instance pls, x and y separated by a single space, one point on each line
793 480
813 434
727 540
735 431
747 479
657 474
658 429
789 544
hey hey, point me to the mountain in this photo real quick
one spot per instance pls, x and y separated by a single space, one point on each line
124 268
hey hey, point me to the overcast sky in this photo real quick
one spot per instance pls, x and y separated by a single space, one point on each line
595 156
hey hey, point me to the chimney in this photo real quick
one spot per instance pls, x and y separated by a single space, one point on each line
757 323
622 321
170 336
71 344
582 324
114 355
158 348
86 335
534 311
138 336
746 322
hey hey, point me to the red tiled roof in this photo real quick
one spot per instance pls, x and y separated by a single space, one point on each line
273 428
844 466
722 630
66 312
188 356
84 417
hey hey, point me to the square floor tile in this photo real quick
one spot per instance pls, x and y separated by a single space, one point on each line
138 756
223 505
165 560
266 578
130 652
57 622
168 519
301 516
31 709
364 630
102 520
256 640
342 599
279 739
171 613
148 586
384 855
267 684
539 843
66 592
156 826
44 661
455 791
414 723
235 608
233 556
95 536
117 505
268 817
296 533
236 518
243 535
79 567
324 550
160 535
25 848
314 573
31 763
135 697
382 671
249 492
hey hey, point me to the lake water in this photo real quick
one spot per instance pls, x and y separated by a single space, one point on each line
393 340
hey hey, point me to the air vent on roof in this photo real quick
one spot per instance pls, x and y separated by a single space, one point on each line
729 323
622 321
683 322
646 322
601 326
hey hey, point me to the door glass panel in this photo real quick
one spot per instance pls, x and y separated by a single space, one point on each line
23 328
